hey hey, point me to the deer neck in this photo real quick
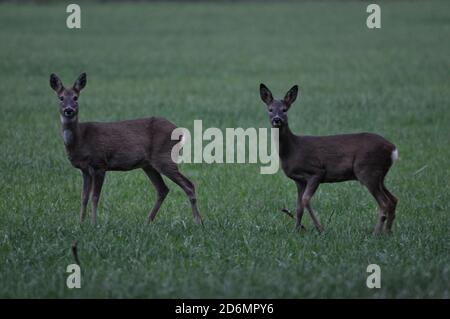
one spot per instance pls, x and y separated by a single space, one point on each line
286 140
70 134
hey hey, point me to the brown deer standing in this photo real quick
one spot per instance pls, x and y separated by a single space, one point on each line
312 160
95 148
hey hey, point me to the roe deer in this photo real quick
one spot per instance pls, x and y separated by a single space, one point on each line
95 148
312 160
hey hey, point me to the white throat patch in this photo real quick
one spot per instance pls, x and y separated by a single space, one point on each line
68 137
65 120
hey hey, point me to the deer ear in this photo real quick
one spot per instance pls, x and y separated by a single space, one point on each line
291 95
55 83
80 83
265 94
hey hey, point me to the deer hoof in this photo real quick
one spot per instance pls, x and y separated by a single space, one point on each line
149 220
377 232
198 221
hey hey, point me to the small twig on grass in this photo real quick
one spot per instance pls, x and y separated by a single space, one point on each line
287 212
75 252
420 170
329 218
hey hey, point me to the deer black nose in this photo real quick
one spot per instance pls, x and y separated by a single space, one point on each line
276 121
69 112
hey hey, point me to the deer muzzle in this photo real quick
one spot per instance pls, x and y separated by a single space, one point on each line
69 112
277 121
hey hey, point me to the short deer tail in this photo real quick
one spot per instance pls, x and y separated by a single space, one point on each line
394 155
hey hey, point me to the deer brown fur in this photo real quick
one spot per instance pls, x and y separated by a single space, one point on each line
96 148
312 160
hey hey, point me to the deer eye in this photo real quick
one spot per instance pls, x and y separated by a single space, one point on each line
61 98
75 98
284 110
270 110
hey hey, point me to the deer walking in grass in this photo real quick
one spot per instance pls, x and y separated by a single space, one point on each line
312 160
96 148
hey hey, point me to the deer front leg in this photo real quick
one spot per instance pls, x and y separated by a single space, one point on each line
311 188
87 186
98 178
300 207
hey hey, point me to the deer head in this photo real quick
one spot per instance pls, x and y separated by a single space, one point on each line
68 98
278 108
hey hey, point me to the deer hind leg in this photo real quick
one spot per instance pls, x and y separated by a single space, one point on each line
172 172
161 191
391 209
314 218
87 187
374 185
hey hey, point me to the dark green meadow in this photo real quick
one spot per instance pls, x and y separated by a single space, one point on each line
188 61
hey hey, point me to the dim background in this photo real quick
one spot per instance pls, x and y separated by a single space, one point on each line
205 60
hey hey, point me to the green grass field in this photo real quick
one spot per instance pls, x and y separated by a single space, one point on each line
205 61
